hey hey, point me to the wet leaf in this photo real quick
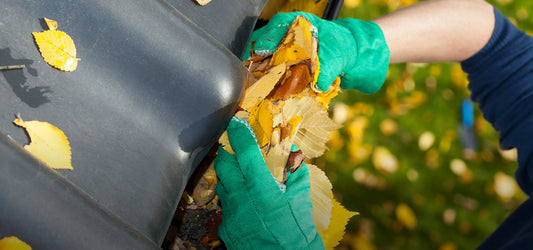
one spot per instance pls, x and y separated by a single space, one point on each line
48 143
57 49
295 83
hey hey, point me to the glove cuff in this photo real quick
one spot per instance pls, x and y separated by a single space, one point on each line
370 68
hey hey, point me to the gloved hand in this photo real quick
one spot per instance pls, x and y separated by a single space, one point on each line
353 49
256 214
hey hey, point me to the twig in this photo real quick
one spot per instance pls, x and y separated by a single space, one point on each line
12 67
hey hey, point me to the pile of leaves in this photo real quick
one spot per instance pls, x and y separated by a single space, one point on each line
284 107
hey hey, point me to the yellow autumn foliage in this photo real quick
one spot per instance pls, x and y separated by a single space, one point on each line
48 143
13 243
57 49
282 116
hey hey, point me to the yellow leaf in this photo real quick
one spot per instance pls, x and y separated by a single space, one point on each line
330 216
321 197
52 25
406 216
293 124
13 243
203 2
48 143
57 49
316 125
339 218
260 89
224 141
261 121
275 6
297 45
325 97
276 158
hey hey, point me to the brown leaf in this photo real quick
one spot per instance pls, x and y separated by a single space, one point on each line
293 163
296 82
204 191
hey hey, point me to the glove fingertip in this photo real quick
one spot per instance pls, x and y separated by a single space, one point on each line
240 133
302 174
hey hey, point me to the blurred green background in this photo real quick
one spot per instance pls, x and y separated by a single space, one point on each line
400 162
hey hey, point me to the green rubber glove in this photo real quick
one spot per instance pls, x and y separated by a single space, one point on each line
353 49
256 213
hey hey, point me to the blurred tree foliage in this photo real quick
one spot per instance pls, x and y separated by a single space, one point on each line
399 159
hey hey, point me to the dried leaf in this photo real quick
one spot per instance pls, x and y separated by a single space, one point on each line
13 243
276 158
293 163
316 125
48 143
203 2
262 87
52 25
204 191
224 141
57 49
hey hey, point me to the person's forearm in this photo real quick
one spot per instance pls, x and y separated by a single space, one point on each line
437 30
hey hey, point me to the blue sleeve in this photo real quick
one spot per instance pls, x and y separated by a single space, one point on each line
501 81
